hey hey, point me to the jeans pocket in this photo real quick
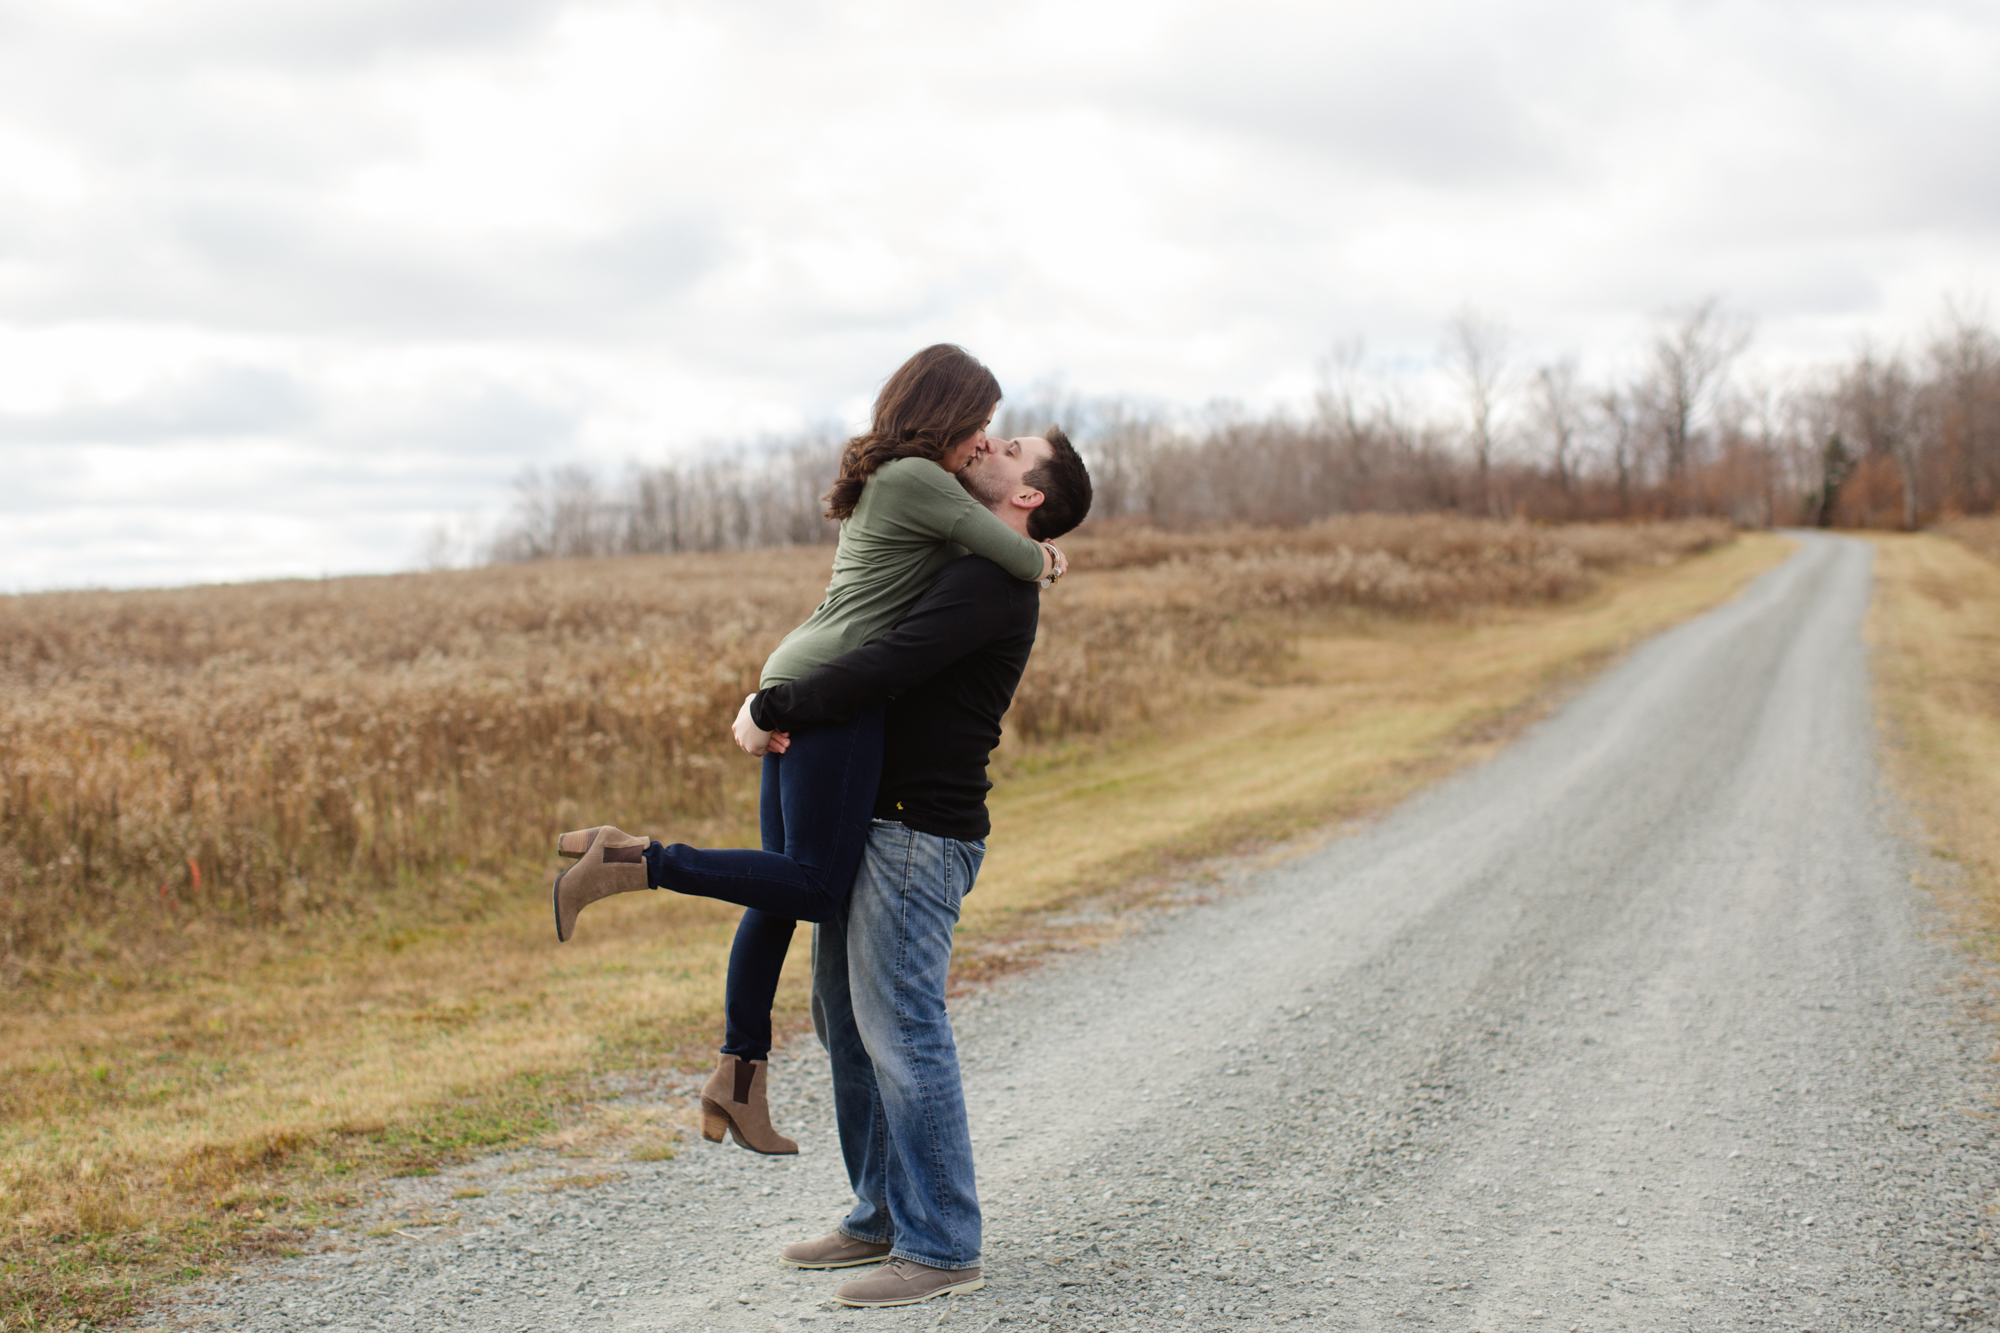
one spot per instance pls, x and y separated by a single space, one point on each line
964 859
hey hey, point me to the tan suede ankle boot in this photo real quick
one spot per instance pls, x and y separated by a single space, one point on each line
602 870
733 1101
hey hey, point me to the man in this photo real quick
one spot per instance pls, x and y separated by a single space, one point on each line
950 667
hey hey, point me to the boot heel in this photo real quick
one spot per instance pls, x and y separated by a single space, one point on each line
714 1122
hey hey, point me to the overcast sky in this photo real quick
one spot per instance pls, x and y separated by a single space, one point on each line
283 284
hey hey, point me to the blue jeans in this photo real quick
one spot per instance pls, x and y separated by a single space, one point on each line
812 814
878 1005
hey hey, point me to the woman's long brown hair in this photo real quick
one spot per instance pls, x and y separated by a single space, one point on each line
933 401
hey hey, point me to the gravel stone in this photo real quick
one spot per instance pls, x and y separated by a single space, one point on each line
1640 1026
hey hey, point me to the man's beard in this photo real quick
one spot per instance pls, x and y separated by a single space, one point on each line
980 486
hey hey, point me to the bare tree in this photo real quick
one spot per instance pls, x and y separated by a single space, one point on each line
763 494
1616 411
1476 348
1965 369
557 514
1691 358
1558 409
1763 433
1336 399
1337 408
1878 404
1123 454
1120 441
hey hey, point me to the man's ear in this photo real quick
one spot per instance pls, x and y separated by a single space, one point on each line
1026 498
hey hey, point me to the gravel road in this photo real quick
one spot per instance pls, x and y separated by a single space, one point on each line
1639 1026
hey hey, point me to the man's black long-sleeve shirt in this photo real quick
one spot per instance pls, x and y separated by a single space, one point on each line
949 668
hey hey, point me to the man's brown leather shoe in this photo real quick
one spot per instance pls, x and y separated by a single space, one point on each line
905 1282
836 1250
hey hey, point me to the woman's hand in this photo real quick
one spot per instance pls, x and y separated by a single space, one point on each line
756 741
1054 564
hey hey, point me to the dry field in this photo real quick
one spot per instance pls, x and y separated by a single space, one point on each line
273 758
1935 628
273 857
1981 534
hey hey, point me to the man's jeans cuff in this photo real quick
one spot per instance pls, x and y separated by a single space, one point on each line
927 1262
865 1240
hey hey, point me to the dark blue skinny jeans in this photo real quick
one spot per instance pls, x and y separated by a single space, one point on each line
813 813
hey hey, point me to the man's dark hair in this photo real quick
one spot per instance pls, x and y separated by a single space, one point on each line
1065 486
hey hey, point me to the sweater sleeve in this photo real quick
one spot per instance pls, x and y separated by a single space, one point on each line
930 500
962 610
981 532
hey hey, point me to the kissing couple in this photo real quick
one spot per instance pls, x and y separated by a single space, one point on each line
875 719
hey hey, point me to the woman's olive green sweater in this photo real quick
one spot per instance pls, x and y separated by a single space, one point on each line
912 519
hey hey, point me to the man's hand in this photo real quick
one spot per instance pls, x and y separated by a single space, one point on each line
756 741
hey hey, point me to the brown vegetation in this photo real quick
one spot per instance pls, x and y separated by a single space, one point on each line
1981 534
1936 632
272 755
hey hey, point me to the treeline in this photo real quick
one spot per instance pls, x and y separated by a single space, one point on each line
764 495
1883 439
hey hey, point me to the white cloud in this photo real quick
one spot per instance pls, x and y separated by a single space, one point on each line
366 259
215 402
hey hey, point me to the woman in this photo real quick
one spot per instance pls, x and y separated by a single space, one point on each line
902 517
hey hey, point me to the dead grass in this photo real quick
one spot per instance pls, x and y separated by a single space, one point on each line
255 761
264 760
1935 627
1420 562
362 983
1981 534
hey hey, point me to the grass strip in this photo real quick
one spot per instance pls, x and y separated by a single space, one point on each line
1934 626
